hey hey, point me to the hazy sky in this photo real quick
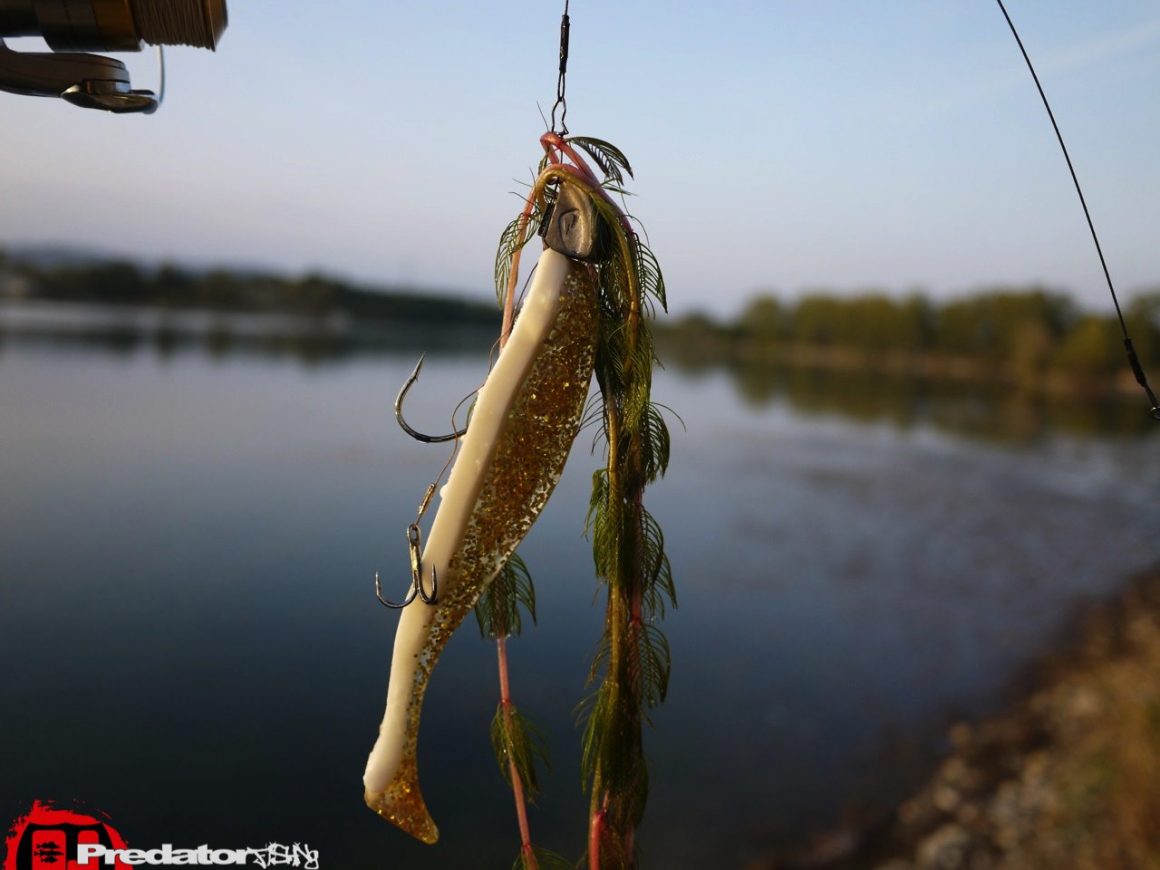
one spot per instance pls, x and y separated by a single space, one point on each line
779 145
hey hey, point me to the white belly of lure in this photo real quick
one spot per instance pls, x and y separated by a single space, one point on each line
525 419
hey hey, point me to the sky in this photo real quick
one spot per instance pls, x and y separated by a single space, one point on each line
779 146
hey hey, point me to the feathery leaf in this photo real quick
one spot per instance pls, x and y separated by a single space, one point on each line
498 609
607 156
517 743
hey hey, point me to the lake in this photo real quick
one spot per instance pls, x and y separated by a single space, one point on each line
191 642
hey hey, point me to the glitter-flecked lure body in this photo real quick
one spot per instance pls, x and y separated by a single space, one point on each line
521 430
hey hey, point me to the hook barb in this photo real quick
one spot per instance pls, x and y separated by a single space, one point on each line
417 591
414 546
419 436
386 602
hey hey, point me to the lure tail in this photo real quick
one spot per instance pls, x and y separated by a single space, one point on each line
401 802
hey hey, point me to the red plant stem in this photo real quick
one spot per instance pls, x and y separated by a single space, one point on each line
595 832
509 299
552 140
635 614
514 274
505 694
505 701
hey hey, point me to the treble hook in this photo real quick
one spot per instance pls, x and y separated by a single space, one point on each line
414 547
414 541
419 436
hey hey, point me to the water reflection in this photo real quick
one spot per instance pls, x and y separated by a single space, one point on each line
189 527
984 412
220 335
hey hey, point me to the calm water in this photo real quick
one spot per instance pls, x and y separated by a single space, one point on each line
190 639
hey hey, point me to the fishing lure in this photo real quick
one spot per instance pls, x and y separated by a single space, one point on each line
521 429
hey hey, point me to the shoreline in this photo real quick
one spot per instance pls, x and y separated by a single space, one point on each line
1066 775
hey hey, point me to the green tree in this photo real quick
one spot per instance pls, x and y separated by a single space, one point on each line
1143 319
1092 349
817 319
172 285
764 321
116 281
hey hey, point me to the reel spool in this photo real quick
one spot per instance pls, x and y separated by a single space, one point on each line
71 27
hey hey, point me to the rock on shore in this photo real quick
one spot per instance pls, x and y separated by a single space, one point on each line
1069 777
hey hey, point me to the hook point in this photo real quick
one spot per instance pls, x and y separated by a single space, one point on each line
419 436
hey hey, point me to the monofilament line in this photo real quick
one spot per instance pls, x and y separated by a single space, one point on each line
178 22
1133 360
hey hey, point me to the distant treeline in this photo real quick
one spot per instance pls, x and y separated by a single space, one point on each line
121 282
1022 336
1032 337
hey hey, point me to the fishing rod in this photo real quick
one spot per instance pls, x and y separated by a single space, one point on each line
1133 360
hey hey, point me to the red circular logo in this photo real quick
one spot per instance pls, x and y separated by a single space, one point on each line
46 838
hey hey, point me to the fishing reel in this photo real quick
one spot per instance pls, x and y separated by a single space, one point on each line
72 28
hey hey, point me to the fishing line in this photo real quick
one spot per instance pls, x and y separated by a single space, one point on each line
561 81
1133 360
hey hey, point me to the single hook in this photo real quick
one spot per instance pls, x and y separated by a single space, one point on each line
414 545
419 436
